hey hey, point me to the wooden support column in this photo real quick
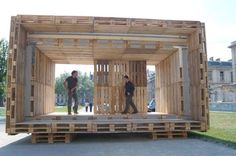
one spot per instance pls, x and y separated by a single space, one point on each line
30 50
184 74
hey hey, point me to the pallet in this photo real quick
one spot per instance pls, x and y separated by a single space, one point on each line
169 135
51 137
109 97
112 127
31 128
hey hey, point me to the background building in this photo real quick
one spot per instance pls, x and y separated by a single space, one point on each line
220 79
150 85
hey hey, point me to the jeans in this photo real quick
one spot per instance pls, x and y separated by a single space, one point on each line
129 102
74 96
90 107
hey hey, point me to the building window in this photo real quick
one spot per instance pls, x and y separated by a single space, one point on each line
222 76
209 75
231 76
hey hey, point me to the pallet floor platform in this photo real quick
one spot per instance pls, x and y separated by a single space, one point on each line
107 124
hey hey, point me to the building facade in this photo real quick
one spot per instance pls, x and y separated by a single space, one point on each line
220 79
150 85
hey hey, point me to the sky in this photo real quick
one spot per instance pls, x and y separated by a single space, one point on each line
219 16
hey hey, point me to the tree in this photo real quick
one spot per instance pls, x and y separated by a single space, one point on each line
3 69
59 88
85 90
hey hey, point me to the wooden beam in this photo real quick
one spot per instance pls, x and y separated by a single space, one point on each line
107 37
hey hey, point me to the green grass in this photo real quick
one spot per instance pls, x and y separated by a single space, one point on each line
222 129
63 108
2 111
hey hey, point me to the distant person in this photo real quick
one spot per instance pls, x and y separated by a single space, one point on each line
152 105
70 84
129 92
88 104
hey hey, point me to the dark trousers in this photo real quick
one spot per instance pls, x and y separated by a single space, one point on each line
129 102
90 107
74 96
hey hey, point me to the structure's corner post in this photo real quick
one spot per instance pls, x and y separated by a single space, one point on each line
28 87
197 62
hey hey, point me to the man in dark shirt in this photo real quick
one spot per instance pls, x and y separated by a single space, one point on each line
129 92
70 84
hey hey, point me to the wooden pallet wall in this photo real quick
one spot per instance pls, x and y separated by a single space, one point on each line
169 86
197 60
30 78
42 84
15 78
109 85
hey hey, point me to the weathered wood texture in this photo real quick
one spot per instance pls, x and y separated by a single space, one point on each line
169 88
109 97
183 90
197 62
15 76
116 46
42 84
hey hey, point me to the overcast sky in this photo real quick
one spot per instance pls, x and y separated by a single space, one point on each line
218 15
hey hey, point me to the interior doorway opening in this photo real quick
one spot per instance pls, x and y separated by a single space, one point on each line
84 90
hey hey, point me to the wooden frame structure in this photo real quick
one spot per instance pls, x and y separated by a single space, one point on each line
116 46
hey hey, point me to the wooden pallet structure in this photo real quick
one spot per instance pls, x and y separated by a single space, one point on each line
115 46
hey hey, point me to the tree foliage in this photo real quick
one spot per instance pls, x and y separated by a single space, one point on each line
59 88
3 68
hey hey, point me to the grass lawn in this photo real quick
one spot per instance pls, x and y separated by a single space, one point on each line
63 108
222 128
2 111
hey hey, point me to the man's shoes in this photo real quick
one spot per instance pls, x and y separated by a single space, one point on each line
76 113
69 113
135 112
123 112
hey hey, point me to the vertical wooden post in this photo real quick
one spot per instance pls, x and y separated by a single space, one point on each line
27 80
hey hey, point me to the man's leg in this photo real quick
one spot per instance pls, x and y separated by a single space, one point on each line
69 103
75 108
126 104
90 106
133 105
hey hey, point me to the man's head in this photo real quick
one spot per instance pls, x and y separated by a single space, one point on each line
126 77
74 73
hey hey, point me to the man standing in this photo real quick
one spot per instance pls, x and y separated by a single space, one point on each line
70 84
129 91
